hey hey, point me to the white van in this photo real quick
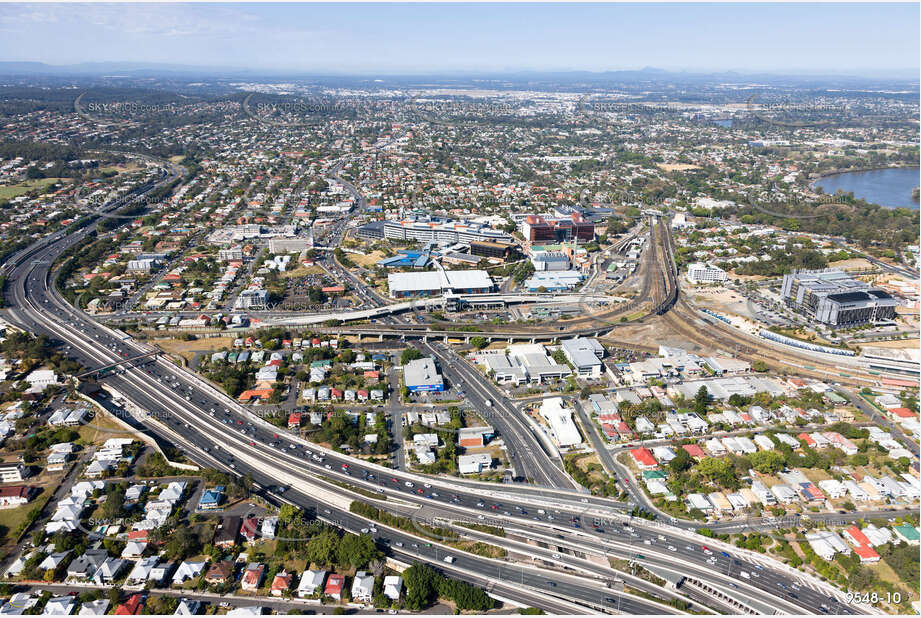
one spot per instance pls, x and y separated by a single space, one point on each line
449 559
745 574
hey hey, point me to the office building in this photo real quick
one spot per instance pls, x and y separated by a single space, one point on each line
435 283
705 273
585 355
550 261
494 249
536 228
835 298
252 299
443 232
559 420
421 375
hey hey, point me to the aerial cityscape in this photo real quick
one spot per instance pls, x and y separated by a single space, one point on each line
441 309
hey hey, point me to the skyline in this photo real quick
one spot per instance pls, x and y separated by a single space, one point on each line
837 39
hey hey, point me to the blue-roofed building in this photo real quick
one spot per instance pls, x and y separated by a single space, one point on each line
406 259
211 498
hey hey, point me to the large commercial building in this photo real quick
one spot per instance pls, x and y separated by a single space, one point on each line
437 282
559 420
443 232
550 261
252 299
553 280
525 362
536 228
422 375
835 298
585 355
289 245
705 273
491 249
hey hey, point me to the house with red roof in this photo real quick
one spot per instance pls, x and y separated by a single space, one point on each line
694 451
252 577
900 415
624 430
805 437
14 495
643 458
856 537
294 420
131 607
334 585
138 535
281 583
249 528
255 393
866 553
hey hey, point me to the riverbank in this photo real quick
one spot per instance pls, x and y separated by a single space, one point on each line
814 178
888 187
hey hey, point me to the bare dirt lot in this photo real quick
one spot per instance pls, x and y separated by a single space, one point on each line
187 349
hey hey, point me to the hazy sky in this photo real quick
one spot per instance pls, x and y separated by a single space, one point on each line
850 38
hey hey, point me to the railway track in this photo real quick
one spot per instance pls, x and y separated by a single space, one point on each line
682 317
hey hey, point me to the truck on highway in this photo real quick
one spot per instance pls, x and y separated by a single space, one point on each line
449 559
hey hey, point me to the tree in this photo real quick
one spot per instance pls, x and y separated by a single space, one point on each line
767 462
421 586
182 543
718 471
479 342
701 400
323 548
356 551
410 354
114 506
681 462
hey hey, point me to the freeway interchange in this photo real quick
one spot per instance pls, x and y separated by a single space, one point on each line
216 432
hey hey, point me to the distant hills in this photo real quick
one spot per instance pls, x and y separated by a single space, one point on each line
513 78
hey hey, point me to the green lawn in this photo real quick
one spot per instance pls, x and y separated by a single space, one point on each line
11 191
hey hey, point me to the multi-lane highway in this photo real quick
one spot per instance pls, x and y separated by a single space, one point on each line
214 431
531 457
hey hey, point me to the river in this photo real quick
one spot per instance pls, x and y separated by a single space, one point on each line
890 187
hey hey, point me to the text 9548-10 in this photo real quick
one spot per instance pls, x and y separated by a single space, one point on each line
873 598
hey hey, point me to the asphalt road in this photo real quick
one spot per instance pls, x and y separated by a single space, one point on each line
209 424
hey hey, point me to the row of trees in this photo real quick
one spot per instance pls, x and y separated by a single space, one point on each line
425 585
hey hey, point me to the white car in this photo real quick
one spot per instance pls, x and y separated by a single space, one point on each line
672 548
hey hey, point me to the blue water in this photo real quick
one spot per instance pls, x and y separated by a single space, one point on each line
890 187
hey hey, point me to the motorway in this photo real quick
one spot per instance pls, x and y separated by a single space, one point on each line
530 456
191 424
214 431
